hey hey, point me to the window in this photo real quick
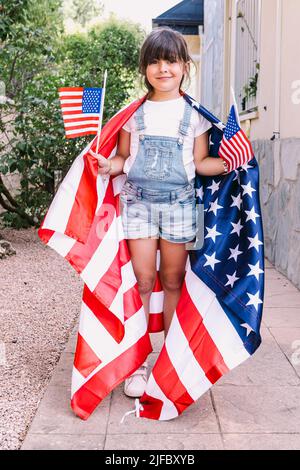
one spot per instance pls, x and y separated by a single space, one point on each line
247 19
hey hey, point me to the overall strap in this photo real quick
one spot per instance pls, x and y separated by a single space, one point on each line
139 118
185 122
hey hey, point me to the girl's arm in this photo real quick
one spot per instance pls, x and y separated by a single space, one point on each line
123 151
206 165
114 165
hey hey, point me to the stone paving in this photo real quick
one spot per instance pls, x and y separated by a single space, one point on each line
255 406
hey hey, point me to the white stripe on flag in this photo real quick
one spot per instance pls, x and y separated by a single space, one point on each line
225 336
156 302
102 258
61 243
77 381
79 115
85 129
67 101
70 93
80 123
71 108
60 209
168 410
191 374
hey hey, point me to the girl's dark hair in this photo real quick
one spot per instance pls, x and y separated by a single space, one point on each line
163 43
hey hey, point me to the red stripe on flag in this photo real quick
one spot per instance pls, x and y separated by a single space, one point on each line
80 134
70 97
132 302
110 322
156 322
61 90
152 407
84 207
204 349
85 359
45 234
71 105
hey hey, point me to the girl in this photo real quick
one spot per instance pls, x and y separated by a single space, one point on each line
160 148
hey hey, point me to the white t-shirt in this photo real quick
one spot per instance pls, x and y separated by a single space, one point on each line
163 118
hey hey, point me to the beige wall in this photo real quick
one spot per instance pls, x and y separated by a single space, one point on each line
290 68
289 113
193 43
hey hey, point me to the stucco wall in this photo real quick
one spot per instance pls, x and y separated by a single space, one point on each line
279 163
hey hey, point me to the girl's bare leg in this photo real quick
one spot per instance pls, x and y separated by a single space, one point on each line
173 257
143 257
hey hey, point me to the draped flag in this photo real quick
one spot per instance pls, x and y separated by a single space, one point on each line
216 324
80 110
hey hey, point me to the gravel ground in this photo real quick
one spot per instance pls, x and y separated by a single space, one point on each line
40 300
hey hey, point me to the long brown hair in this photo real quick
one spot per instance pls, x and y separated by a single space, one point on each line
163 43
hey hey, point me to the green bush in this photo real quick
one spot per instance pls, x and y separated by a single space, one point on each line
36 59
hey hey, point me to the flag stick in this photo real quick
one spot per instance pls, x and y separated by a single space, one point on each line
101 111
235 106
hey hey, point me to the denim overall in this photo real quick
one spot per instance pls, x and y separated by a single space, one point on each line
158 178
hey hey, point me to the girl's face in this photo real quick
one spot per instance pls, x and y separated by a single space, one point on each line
165 75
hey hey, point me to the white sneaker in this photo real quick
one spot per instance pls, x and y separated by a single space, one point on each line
135 384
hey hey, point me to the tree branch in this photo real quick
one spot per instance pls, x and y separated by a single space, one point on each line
4 190
17 210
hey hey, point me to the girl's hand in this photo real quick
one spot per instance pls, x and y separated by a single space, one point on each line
103 163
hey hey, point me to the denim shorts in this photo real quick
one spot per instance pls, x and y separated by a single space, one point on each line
171 215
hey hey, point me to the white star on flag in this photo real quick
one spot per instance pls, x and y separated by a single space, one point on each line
255 270
231 279
236 227
199 192
245 167
237 200
212 232
211 260
248 189
237 175
248 328
251 215
235 252
254 242
214 187
254 299
214 206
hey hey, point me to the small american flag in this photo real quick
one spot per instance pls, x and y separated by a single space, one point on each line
235 147
81 110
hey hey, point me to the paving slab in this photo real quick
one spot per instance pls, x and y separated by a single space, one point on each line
288 340
64 442
258 409
55 415
261 441
282 316
164 441
267 366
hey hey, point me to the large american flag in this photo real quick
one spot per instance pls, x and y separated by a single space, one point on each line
235 147
217 320
80 110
